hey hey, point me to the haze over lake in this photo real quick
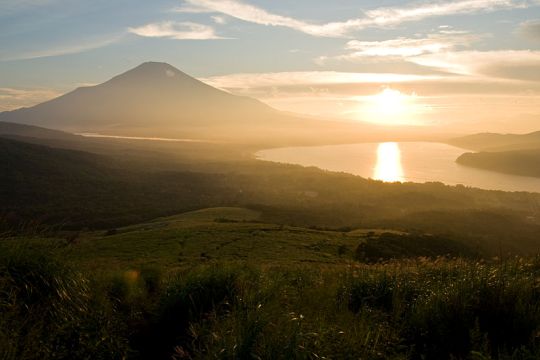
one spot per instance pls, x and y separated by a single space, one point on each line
405 161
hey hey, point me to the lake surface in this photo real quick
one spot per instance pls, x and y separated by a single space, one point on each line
405 161
96 135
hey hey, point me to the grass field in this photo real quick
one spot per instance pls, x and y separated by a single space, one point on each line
223 234
219 283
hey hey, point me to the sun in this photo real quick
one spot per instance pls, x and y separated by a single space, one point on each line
390 102
390 107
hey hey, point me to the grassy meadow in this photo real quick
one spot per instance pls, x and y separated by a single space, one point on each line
220 283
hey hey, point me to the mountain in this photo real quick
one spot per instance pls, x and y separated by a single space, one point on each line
76 188
517 162
498 142
33 132
156 99
18 158
505 153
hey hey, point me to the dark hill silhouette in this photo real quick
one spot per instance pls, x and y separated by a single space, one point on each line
20 130
77 188
156 99
506 153
516 162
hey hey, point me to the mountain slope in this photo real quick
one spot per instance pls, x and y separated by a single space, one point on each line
156 99
20 130
77 188
505 153
518 162
498 142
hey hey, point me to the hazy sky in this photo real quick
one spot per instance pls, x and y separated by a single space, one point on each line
468 64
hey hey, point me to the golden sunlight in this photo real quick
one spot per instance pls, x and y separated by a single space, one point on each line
390 101
391 107
390 104
388 167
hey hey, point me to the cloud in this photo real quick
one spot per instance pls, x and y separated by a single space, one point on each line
11 98
309 78
186 9
403 47
447 52
176 30
250 13
381 17
9 7
449 98
65 49
221 20
335 85
392 16
505 64
530 29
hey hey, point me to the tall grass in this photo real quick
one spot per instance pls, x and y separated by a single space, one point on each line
421 309
452 309
48 311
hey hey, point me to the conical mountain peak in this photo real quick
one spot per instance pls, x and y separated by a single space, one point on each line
154 96
153 72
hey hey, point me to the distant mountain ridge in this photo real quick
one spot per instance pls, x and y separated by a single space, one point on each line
505 153
156 99
498 142
517 162
20 130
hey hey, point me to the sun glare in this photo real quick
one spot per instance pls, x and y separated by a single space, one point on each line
390 101
388 167
390 104
390 107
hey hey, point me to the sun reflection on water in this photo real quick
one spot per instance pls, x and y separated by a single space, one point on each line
388 167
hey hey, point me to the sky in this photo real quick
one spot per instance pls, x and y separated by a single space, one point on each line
470 65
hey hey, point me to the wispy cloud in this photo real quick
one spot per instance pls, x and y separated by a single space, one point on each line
221 20
9 7
251 13
188 9
392 16
447 52
340 94
176 30
505 64
11 98
337 84
309 78
530 29
381 17
64 49
403 47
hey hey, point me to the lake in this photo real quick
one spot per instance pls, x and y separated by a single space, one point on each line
403 161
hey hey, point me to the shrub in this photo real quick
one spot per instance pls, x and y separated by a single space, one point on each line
389 246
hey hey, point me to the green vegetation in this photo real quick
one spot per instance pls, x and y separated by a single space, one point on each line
74 190
221 283
391 246
55 308
50 311
196 251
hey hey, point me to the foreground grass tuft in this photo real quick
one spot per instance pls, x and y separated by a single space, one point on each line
48 311
408 309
